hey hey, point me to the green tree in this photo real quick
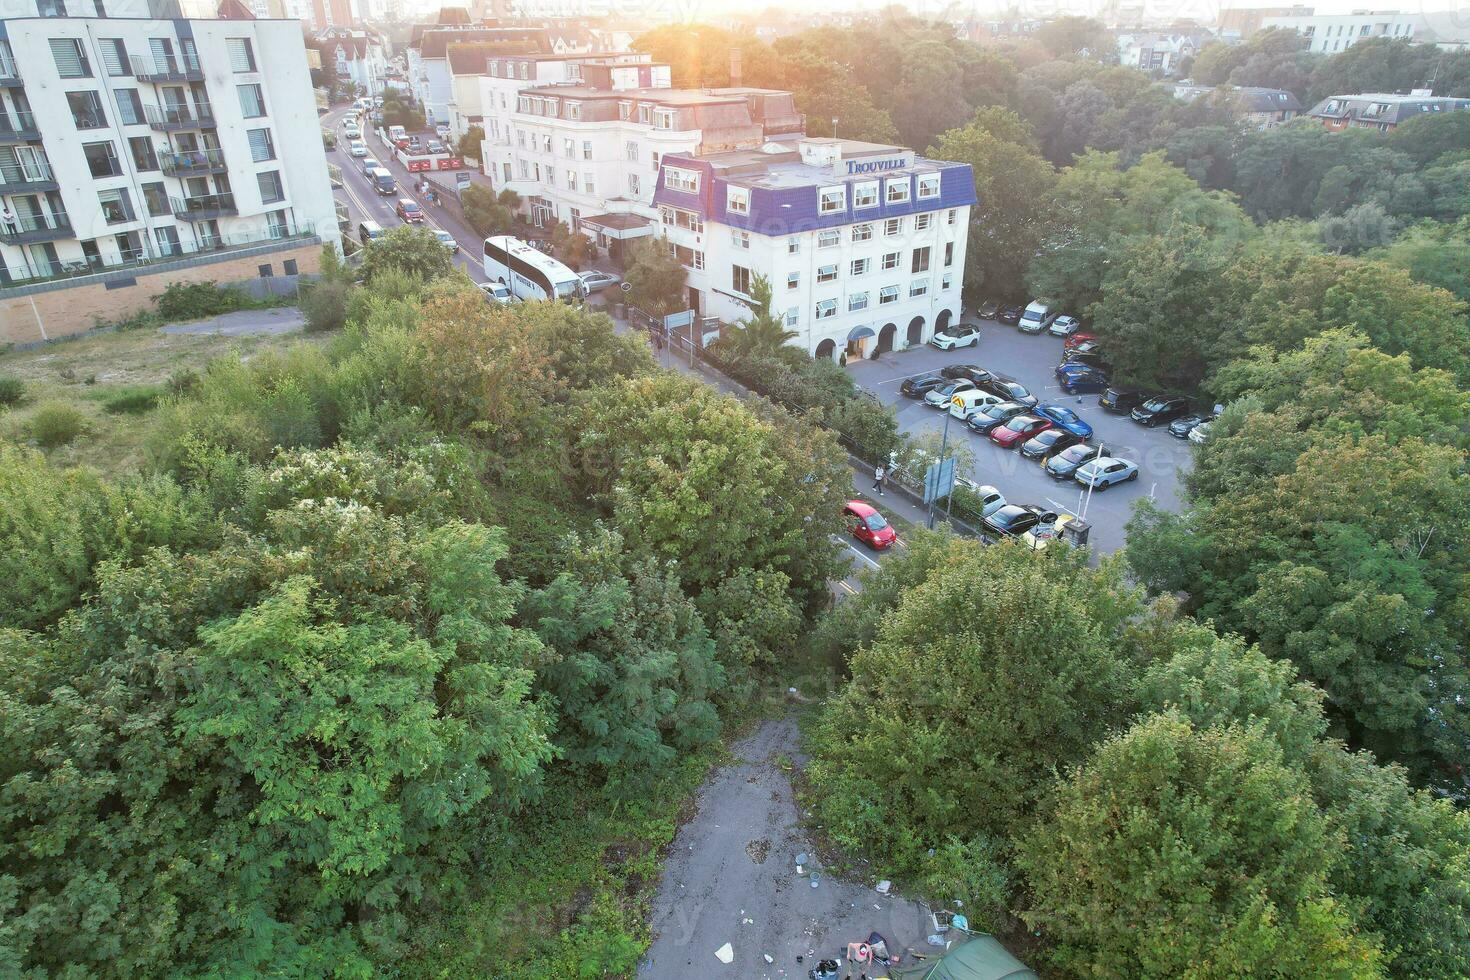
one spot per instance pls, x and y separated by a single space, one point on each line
469 144
415 252
1074 35
1026 663
655 279
762 334
486 212
1179 850
1436 254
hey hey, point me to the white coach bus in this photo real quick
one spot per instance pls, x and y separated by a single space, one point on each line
529 273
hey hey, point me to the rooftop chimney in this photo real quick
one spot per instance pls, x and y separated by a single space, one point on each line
734 67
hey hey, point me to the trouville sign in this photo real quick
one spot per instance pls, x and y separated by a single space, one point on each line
874 166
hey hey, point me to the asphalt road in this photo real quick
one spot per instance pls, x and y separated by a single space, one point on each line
731 878
1031 360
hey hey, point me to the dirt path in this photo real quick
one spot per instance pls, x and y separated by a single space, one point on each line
731 878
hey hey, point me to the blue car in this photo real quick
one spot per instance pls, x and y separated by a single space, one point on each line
1066 419
1084 379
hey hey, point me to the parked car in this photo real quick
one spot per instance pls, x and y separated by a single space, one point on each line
921 384
1009 314
497 292
940 397
1077 340
1105 471
357 148
1082 380
867 525
969 372
1121 401
1010 389
1013 520
436 147
1200 433
369 231
409 210
1092 359
594 280
1064 418
963 404
987 418
1036 318
1181 427
1063 465
1064 326
988 310
952 338
447 240
1076 350
1160 409
1018 430
988 500
1048 442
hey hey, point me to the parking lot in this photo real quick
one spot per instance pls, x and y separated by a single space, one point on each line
1031 360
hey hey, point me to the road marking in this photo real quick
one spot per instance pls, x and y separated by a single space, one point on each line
842 583
1061 507
858 553
894 381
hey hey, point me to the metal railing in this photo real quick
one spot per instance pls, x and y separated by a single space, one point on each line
9 72
46 226
173 68
203 206
143 258
18 124
181 163
15 176
199 115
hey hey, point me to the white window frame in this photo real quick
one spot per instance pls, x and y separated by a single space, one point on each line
829 238
888 294
740 239
793 280
893 228
831 200
737 199
857 301
865 195
919 287
890 261
862 233
679 179
827 273
896 190
860 267
922 222
928 188
825 309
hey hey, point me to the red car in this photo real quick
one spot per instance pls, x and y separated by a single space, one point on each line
1078 339
868 526
1018 430
409 210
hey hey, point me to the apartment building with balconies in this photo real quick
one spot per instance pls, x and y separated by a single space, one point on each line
127 143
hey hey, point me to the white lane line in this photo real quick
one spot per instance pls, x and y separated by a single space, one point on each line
848 545
1061 507
842 584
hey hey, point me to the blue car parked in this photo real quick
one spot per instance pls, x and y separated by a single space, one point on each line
1066 419
1082 379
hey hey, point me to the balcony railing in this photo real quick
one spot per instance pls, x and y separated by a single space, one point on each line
9 73
202 207
28 229
29 178
175 117
18 126
141 259
189 163
174 68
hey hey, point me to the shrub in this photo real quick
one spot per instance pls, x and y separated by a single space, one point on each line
12 390
325 305
870 428
133 400
56 424
192 300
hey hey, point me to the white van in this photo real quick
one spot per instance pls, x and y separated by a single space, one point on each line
967 403
1036 318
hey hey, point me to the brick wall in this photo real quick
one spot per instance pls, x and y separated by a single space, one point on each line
63 312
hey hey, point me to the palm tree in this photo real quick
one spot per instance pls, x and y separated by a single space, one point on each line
763 333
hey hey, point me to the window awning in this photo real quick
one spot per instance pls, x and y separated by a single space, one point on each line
859 333
620 225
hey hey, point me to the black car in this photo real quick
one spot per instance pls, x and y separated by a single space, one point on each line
1120 401
1181 427
1093 360
1064 464
965 372
987 418
921 384
1160 409
1009 314
1047 443
988 309
1008 388
1013 520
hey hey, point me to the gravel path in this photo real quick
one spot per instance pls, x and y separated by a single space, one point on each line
243 323
731 878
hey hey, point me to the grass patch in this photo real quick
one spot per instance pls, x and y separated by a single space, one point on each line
56 424
12 391
132 399
569 896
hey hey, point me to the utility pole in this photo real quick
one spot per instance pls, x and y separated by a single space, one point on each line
1102 453
943 445
834 127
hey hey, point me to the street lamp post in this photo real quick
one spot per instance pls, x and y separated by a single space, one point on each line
943 445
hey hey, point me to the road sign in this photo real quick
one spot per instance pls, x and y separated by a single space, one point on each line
676 320
938 480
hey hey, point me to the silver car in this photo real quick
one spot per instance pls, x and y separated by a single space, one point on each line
1106 471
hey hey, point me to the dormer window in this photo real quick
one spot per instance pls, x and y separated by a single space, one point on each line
737 200
898 190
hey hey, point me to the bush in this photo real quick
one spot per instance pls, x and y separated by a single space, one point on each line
870 428
193 300
133 400
56 424
12 390
325 305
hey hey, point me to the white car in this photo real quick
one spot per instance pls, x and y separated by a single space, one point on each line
446 239
1064 326
1105 471
352 132
594 280
357 148
963 404
991 499
952 338
1200 433
497 292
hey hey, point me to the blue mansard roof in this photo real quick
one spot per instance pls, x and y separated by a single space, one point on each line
784 184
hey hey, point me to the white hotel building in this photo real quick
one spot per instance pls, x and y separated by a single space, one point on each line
131 144
863 244
580 138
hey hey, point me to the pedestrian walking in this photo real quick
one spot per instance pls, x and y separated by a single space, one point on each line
880 476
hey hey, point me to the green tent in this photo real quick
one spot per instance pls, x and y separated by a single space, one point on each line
982 958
